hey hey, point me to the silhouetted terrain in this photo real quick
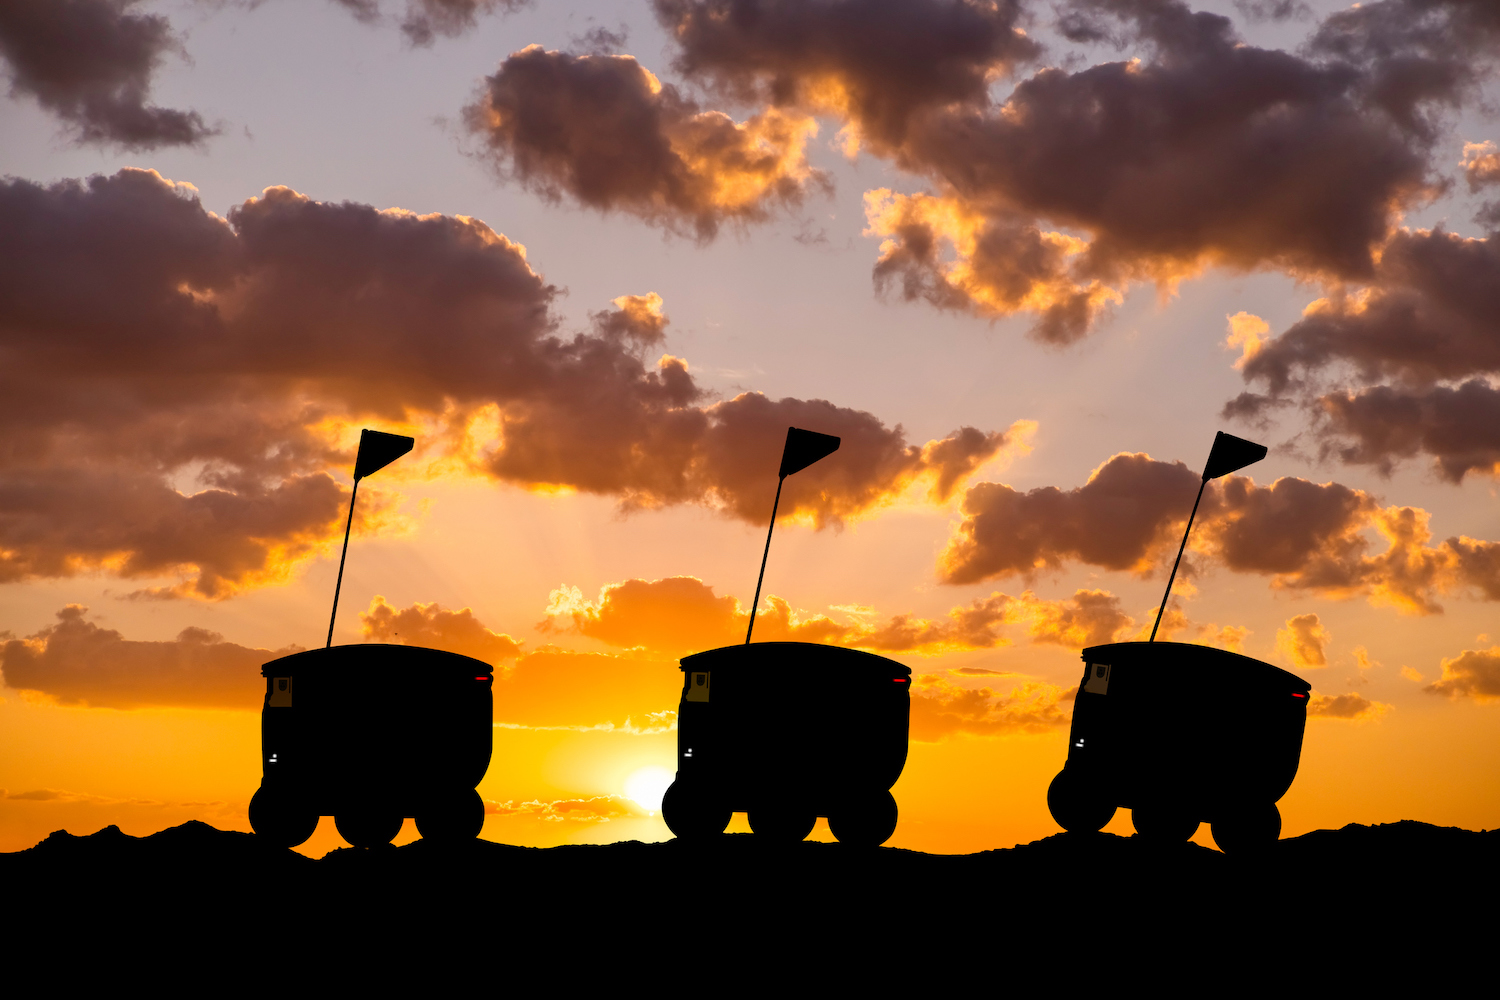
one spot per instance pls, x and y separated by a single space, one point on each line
589 918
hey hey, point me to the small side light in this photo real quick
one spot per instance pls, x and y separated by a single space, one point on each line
1298 695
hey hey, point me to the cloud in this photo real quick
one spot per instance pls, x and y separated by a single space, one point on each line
1120 519
1474 673
63 796
1175 625
1303 641
426 19
605 132
1203 151
1424 317
596 809
1418 56
1305 536
1350 707
90 63
77 662
639 438
1481 164
940 709
182 388
873 63
680 615
1423 322
435 627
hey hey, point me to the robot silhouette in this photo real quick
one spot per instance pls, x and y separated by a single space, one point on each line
371 733
1179 734
789 731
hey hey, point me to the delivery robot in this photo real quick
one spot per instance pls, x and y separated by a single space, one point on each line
788 732
1181 734
372 734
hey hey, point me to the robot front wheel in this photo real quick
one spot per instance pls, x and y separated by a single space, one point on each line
782 822
1163 823
280 818
864 821
1078 804
452 818
1247 829
367 825
693 812
861 820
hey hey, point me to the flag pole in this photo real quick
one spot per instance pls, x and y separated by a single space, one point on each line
756 603
1180 549
344 555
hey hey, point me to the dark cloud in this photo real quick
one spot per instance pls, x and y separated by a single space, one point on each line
1458 426
603 131
148 344
1427 315
90 63
79 662
600 41
642 439
1205 152
1304 536
1427 318
875 63
1474 673
1211 153
180 387
1120 519
1272 10
426 19
1415 54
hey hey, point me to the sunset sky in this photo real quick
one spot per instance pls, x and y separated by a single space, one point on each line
1025 258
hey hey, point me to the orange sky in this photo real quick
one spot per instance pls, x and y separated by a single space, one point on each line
1023 259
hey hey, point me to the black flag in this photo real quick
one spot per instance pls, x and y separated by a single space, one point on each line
1230 454
377 449
803 448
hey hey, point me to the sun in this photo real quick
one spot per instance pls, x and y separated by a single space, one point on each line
647 785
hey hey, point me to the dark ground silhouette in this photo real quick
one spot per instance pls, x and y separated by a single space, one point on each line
1342 905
